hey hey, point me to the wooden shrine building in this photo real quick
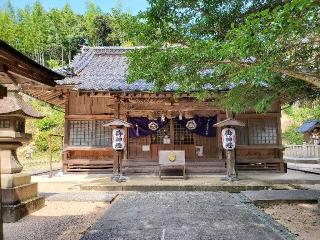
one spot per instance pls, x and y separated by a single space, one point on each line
95 91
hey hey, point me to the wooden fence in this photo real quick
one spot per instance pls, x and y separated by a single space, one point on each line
304 151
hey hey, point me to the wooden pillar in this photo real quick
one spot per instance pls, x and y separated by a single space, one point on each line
116 154
230 156
116 107
171 134
283 165
125 151
220 149
230 160
66 133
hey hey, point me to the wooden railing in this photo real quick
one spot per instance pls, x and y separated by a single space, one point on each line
303 151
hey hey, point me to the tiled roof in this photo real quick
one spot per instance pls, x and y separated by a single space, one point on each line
308 126
103 69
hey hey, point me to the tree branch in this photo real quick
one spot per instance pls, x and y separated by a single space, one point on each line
314 80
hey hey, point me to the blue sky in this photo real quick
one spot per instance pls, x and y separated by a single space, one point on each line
79 6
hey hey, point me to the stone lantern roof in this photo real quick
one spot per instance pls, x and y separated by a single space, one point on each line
14 104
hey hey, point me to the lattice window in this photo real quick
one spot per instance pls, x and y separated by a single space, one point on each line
89 133
242 135
4 123
263 131
181 134
162 135
103 135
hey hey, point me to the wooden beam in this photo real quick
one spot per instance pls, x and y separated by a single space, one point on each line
90 117
258 115
27 66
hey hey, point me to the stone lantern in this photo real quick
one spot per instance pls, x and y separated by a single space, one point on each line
19 195
229 144
118 144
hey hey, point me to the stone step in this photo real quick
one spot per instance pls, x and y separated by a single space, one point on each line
13 213
19 194
282 195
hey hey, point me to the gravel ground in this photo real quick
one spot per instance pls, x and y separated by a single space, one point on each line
185 216
301 219
81 196
57 220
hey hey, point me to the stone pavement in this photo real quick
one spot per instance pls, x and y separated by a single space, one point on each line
308 168
291 177
185 215
81 196
283 195
247 181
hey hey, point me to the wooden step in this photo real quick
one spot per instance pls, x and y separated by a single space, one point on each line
259 167
206 170
90 170
88 161
262 160
154 163
90 167
155 169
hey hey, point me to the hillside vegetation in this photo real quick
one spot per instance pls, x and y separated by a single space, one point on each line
35 155
53 37
297 114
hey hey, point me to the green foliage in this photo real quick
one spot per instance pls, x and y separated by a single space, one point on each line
53 37
291 136
41 141
52 123
262 50
307 110
53 63
46 123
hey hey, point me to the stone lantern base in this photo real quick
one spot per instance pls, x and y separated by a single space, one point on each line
19 195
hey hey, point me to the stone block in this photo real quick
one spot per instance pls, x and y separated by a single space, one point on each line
9 161
14 180
19 194
13 213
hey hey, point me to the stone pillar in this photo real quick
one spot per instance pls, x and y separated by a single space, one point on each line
231 165
10 163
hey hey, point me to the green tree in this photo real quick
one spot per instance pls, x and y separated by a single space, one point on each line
125 28
53 37
33 31
90 16
66 34
8 28
258 51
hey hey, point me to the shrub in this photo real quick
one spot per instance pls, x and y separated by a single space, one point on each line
41 141
46 123
291 136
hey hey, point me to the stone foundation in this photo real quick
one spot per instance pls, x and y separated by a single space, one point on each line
19 196
13 213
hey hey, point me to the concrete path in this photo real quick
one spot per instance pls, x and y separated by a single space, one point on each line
292 177
185 215
81 196
308 168
282 195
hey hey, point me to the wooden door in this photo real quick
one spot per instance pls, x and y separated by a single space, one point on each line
135 148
